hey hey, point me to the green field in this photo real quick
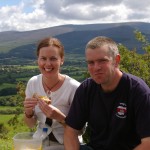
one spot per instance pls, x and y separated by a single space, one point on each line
7 107
28 67
7 85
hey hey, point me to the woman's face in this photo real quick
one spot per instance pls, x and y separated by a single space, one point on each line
49 61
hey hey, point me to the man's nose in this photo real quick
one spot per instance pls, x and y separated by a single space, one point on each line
97 65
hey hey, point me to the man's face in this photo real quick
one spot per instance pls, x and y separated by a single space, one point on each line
100 65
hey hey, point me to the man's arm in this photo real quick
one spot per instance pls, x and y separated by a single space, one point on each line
71 141
145 144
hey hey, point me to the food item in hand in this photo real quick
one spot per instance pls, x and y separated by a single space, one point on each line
44 98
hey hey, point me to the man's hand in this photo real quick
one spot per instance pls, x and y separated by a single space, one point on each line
145 144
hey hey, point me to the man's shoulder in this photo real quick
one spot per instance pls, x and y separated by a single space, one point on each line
88 84
132 78
135 81
88 81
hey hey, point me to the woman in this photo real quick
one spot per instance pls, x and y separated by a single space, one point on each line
58 87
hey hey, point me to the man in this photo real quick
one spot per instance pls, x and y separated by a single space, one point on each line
115 104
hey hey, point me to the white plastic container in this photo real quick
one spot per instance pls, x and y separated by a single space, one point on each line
25 141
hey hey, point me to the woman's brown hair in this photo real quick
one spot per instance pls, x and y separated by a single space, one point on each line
50 41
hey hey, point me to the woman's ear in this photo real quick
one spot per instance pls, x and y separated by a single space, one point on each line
62 61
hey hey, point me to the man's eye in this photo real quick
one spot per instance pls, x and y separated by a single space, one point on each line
90 62
103 61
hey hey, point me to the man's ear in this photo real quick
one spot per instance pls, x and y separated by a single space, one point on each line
117 60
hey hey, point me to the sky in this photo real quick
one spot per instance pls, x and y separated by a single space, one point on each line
25 15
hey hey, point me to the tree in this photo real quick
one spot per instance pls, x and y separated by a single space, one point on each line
134 63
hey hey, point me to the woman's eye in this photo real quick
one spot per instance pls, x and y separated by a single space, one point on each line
43 58
53 59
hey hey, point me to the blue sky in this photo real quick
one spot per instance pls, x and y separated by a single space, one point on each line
8 2
4 3
24 15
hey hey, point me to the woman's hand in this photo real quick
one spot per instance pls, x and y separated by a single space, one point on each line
29 105
50 111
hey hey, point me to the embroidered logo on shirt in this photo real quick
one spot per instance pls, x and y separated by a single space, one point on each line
121 110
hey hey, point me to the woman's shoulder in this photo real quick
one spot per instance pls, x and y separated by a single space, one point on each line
35 78
71 81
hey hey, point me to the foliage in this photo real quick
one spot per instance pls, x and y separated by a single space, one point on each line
14 121
3 131
13 100
142 38
134 63
7 130
86 135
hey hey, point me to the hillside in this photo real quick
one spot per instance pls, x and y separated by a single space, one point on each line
9 36
75 41
14 44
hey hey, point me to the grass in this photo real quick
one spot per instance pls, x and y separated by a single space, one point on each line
7 142
7 107
5 118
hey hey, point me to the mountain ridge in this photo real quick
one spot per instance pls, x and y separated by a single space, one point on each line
57 30
74 37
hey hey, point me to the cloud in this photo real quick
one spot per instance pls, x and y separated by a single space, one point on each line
8 15
137 5
78 10
33 14
16 17
96 2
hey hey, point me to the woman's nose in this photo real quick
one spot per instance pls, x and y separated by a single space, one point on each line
48 61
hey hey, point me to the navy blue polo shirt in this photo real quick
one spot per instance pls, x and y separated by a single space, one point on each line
117 120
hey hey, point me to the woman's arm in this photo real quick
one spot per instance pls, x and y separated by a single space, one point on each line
30 122
29 105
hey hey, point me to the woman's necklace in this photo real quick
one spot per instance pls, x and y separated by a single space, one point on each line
48 90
